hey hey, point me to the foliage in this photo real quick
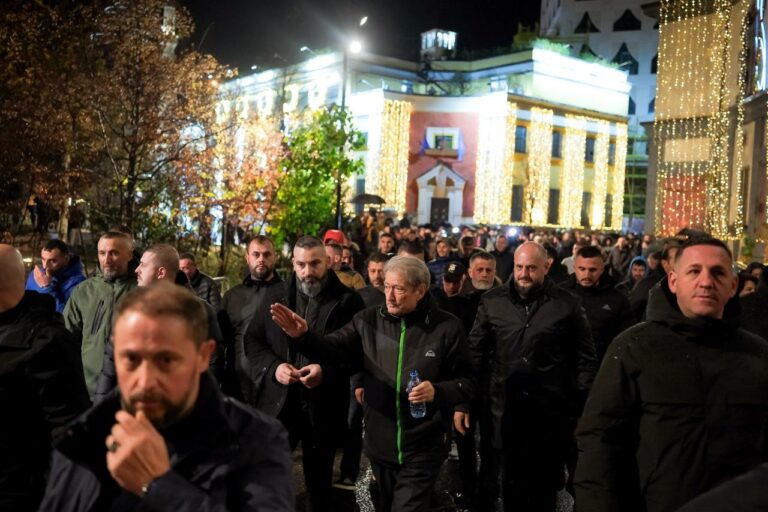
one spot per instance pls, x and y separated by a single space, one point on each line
319 153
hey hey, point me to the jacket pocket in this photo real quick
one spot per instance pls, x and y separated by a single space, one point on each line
98 317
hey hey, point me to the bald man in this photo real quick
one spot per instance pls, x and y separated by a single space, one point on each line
41 384
541 363
88 314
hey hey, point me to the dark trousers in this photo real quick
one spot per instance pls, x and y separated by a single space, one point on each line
536 444
407 487
353 441
317 453
490 461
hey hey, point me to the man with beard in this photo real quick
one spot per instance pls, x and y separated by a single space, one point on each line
482 273
310 399
373 294
202 284
541 363
88 313
165 438
58 273
387 244
159 263
239 305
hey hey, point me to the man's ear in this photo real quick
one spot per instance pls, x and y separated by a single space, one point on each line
672 281
205 352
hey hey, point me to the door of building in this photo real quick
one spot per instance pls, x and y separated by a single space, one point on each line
438 211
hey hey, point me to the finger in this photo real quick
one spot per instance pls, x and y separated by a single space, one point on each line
466 420
141 418
126 419
119 433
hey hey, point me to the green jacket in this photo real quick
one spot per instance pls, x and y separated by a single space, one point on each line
88 316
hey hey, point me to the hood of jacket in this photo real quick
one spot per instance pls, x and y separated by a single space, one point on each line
637 259
74 268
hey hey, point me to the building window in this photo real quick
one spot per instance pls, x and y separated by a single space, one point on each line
589 154
652 106
556 136
632 107
627 21
442 141
586 26
554 206
520 134
498 83
625 60
655 64
611 155
516 215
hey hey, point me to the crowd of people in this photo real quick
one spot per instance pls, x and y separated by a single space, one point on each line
630 371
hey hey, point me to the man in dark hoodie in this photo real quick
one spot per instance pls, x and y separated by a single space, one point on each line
638 297
638 269
680 402
607 309
58 274
41 385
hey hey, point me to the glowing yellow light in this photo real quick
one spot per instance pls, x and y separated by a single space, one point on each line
539 166
600 183
495 164
572 183
619 171
389 178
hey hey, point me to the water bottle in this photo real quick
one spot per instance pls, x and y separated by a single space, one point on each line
418 410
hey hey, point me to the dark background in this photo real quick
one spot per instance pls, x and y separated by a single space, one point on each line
242 33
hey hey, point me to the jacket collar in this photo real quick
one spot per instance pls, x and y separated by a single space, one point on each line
257 283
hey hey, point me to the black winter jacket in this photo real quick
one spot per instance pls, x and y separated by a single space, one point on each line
42 388
206 288
541 347
678 406
266 347
385 349
224 456
754 312
607 310
237 309
745 493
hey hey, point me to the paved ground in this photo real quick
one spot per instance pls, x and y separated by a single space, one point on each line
360 499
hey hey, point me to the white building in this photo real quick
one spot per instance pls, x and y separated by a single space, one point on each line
618 31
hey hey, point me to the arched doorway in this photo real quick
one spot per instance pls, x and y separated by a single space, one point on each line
441 195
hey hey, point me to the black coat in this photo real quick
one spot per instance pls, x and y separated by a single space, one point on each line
678 406
638 297
224 456
206 288
266 347
542 347
42 388
372 296
505 263
607 310
745 493
754 312
239 305
385 348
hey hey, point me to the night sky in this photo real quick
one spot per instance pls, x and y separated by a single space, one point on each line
242 33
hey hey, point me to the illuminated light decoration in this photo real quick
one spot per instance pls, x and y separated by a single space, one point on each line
390 178
495 164
539 166
600 183
572 181
700 79
619 172
316 95
292 101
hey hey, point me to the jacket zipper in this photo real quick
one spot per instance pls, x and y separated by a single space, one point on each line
397 392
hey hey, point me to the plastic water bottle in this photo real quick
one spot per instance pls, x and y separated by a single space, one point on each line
418 410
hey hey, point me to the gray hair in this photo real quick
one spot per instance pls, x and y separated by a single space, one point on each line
414 270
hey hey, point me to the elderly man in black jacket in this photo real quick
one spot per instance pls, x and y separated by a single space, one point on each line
166 439
42 387
542 361
311 399
680 403
387 343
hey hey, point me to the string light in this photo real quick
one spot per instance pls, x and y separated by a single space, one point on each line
539 166
600 183
619 171
495 164
572 182
389 178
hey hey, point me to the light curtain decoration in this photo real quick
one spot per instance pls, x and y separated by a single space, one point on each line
495 164
600 183
572 182
539 166
619 172
390 178
702 56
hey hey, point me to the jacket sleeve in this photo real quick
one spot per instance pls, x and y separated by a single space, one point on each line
480 338
264 483
57 372
586 357
256 344
746 493
73 318
214 295
459 387
606 475
108 377
342 347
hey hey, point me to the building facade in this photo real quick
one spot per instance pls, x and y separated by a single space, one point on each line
535 137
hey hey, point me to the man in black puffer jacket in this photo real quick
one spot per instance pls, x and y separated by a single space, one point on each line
42 387
542 362
680 403
607 308
386 343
